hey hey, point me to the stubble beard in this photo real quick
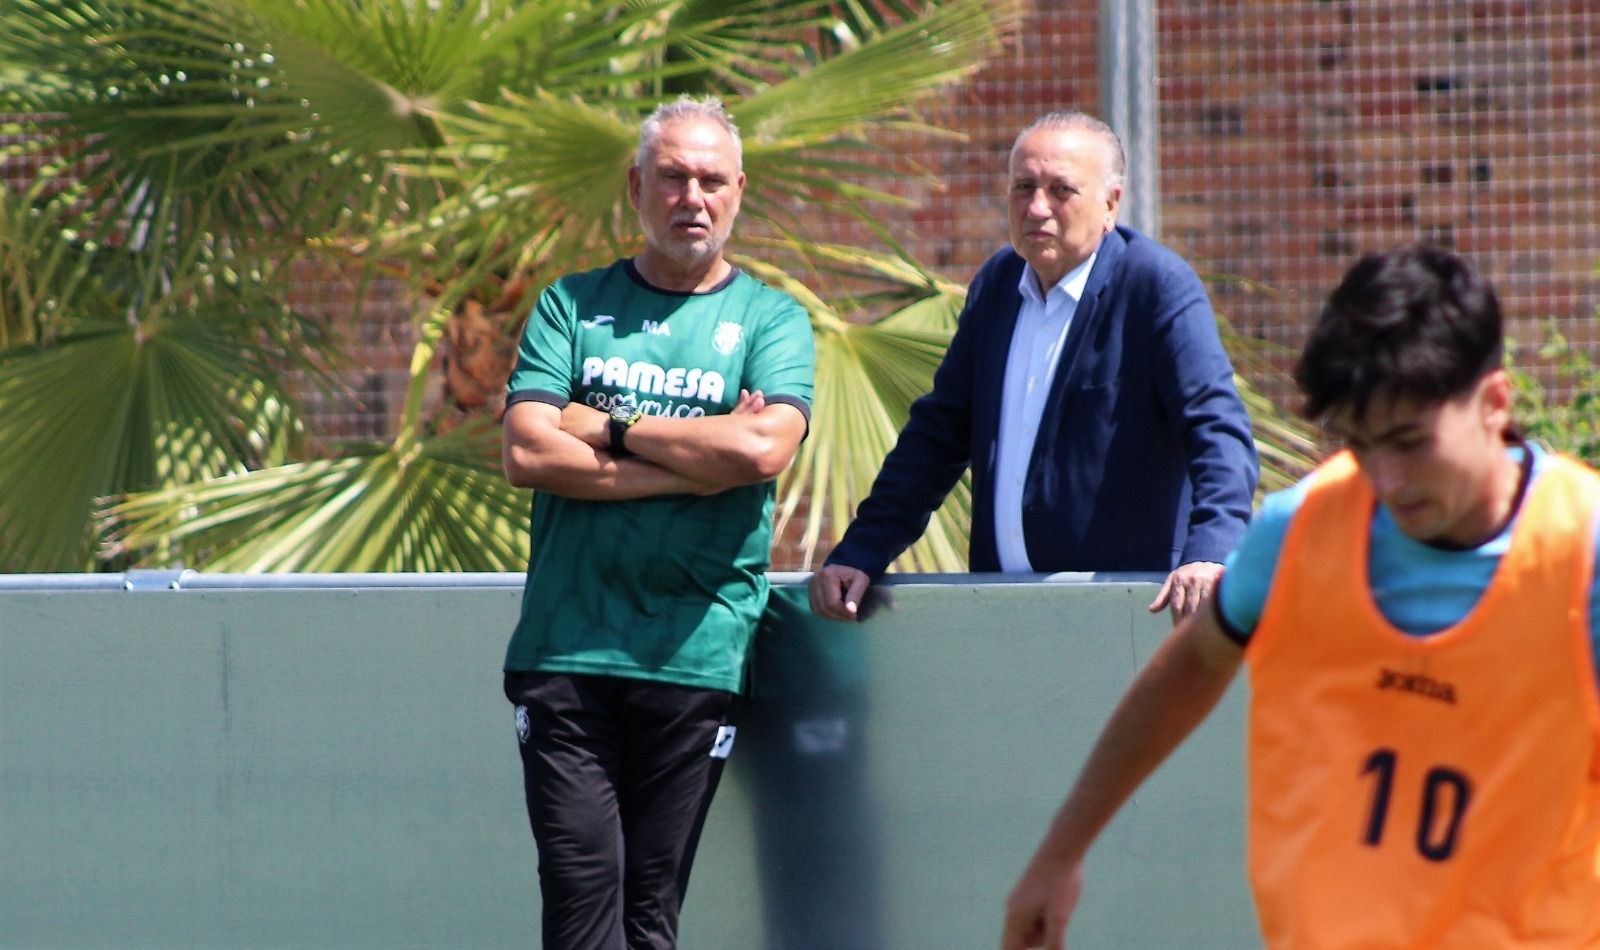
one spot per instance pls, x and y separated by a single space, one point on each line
686 254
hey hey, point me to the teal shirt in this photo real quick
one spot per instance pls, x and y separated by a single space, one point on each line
668 588
1418 587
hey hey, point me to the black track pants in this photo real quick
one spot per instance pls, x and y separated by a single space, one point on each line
618 775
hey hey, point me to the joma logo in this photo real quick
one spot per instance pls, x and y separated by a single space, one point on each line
1417 683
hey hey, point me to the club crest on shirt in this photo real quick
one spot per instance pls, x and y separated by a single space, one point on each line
727 337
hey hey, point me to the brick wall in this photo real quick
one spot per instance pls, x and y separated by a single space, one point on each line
1293 135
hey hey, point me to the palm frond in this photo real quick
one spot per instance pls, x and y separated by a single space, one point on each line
870 82
867 378
868 374
109 409
151 361
541 179
1288 446
46 270
440 505
141 88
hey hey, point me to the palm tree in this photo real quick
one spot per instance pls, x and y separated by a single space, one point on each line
195 154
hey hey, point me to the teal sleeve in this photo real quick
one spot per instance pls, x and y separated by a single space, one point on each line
1247 578
783 361
544 356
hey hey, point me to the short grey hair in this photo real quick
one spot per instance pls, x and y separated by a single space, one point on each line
1073 120
709 109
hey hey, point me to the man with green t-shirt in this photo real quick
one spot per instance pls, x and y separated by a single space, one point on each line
652 404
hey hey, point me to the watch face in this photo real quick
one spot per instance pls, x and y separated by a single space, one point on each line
624 413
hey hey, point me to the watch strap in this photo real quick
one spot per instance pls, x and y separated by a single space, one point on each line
618 430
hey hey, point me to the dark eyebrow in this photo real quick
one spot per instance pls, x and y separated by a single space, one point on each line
1399 431
1387 435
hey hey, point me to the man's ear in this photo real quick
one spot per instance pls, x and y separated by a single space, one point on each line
634 184
1496 397
1113 198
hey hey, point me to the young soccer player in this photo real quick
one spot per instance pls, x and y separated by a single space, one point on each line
1417 617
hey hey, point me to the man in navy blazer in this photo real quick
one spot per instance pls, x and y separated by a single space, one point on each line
1088 389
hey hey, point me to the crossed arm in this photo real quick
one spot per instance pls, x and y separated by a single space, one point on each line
1170 697
566 451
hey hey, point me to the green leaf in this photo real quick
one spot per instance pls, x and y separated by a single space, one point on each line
441 505
110 410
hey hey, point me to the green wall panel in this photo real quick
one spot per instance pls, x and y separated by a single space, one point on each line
336 767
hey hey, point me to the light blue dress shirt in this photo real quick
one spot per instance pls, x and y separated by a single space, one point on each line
1036 344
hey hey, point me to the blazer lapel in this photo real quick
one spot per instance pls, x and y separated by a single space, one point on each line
1086 315
1070 368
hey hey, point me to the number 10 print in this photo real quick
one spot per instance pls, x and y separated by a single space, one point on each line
1445 793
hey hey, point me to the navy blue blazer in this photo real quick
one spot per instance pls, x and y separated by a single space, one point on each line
1144 458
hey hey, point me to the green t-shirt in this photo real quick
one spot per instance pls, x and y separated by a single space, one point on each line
667 588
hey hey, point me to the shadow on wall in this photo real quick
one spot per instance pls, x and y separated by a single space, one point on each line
818 840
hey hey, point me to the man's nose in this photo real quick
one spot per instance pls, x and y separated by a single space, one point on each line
1039 204
692 194
1386 475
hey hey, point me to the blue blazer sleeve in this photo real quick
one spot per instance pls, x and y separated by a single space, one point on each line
1195 383
935 446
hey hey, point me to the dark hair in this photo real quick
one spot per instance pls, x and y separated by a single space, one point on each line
1415 322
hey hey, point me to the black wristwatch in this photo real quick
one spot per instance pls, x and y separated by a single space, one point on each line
623 417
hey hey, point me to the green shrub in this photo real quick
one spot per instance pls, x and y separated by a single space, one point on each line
1562 413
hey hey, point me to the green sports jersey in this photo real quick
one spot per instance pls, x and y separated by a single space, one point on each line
667 588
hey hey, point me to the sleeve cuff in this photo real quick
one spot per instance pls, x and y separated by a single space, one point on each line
537 395
1233 633
795 401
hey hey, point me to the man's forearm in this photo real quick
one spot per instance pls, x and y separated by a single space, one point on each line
622 479
725 450
752 444
603 477
927 461
540 456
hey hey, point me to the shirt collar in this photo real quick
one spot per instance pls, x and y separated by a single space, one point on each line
1073 283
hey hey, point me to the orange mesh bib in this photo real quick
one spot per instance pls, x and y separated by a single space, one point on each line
1434 791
